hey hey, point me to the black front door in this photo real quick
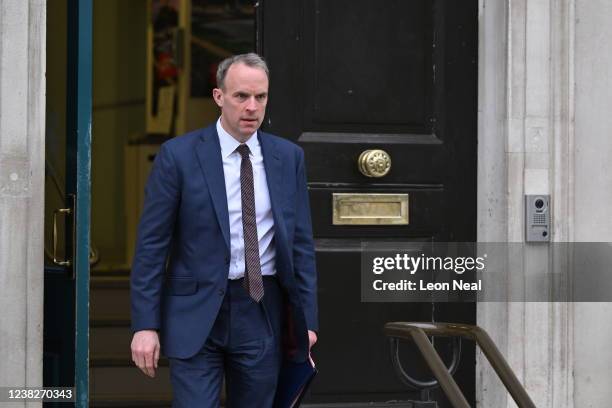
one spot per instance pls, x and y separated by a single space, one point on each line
393 75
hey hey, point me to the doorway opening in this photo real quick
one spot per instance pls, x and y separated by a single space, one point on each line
153 69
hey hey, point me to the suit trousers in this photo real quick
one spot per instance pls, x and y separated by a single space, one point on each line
244 345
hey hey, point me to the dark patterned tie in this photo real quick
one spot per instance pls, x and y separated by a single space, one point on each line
252 279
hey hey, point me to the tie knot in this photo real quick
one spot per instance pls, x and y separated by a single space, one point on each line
244 151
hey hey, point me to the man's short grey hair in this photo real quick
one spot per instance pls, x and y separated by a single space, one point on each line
250 60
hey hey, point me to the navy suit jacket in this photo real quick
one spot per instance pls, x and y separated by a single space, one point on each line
181 265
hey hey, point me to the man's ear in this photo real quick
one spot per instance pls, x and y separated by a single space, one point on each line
218 97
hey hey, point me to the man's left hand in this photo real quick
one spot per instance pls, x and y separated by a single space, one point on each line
312 339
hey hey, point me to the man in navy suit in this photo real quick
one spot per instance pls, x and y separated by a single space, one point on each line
223 280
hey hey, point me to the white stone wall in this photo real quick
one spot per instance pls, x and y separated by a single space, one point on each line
492 182
545 96
593 193
22 159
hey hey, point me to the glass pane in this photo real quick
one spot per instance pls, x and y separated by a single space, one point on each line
218 29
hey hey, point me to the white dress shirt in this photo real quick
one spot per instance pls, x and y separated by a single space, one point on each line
263 208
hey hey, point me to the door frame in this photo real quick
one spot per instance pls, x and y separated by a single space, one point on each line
78 175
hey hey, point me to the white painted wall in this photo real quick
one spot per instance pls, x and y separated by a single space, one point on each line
22 158
593 193
545 97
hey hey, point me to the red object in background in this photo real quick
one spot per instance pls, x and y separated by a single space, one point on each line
165 68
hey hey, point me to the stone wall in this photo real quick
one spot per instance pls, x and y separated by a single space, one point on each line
544 123
22 161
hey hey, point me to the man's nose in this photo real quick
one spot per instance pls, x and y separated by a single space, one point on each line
251 104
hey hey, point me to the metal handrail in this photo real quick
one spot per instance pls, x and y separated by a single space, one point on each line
418 332
413 383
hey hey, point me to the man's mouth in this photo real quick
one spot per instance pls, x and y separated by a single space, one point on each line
249 120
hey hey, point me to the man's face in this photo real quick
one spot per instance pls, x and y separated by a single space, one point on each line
243 101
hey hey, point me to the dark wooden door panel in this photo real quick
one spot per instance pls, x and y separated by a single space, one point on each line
358 366
397 75
343 38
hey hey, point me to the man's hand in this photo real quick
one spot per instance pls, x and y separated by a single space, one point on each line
145 351
312 339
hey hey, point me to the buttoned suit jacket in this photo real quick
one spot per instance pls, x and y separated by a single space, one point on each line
181 264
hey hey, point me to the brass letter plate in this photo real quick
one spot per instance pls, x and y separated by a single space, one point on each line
370 209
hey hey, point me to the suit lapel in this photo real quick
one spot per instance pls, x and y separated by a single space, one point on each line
274 177
209 156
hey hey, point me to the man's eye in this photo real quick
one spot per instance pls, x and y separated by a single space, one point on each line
261 97
241 96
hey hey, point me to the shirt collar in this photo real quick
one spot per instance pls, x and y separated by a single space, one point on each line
229 144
